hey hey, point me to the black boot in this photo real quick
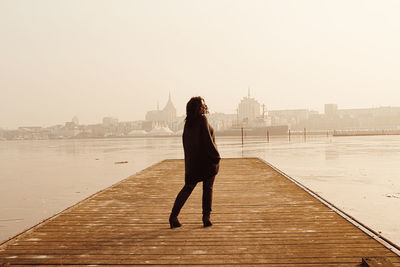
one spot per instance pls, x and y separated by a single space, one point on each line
174 222
206 220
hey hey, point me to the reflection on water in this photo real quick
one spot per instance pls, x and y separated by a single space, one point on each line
40 178
331 153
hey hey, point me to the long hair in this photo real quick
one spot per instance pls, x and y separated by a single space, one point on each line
193 109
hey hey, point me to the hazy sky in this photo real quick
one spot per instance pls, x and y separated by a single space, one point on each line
118 58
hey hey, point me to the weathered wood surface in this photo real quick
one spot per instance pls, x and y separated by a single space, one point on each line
259 216
376 262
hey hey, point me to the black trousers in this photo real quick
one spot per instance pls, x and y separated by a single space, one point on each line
185 192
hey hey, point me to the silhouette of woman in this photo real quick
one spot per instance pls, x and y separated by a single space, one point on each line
201 160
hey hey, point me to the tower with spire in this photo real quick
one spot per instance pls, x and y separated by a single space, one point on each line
166 116
248 109
169 111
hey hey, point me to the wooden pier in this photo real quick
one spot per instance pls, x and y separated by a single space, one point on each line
260 218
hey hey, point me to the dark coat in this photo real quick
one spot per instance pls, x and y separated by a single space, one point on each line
201 154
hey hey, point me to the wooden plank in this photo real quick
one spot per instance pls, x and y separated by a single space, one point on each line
260 218
376 262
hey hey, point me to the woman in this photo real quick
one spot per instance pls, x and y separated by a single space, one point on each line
201 159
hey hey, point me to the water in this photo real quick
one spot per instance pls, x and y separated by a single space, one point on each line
360 175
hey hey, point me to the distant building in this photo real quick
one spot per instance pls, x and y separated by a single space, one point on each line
357 118
33 133
169 111
167 115
331 110
31 129
110 121
75 120
248 109
381 117
220 121
70 125
290 117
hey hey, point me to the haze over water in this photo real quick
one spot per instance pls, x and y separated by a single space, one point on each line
360 175
98 58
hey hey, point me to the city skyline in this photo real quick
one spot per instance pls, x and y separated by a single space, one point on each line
95 59
76 119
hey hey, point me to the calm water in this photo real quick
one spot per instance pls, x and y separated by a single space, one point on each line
360 175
